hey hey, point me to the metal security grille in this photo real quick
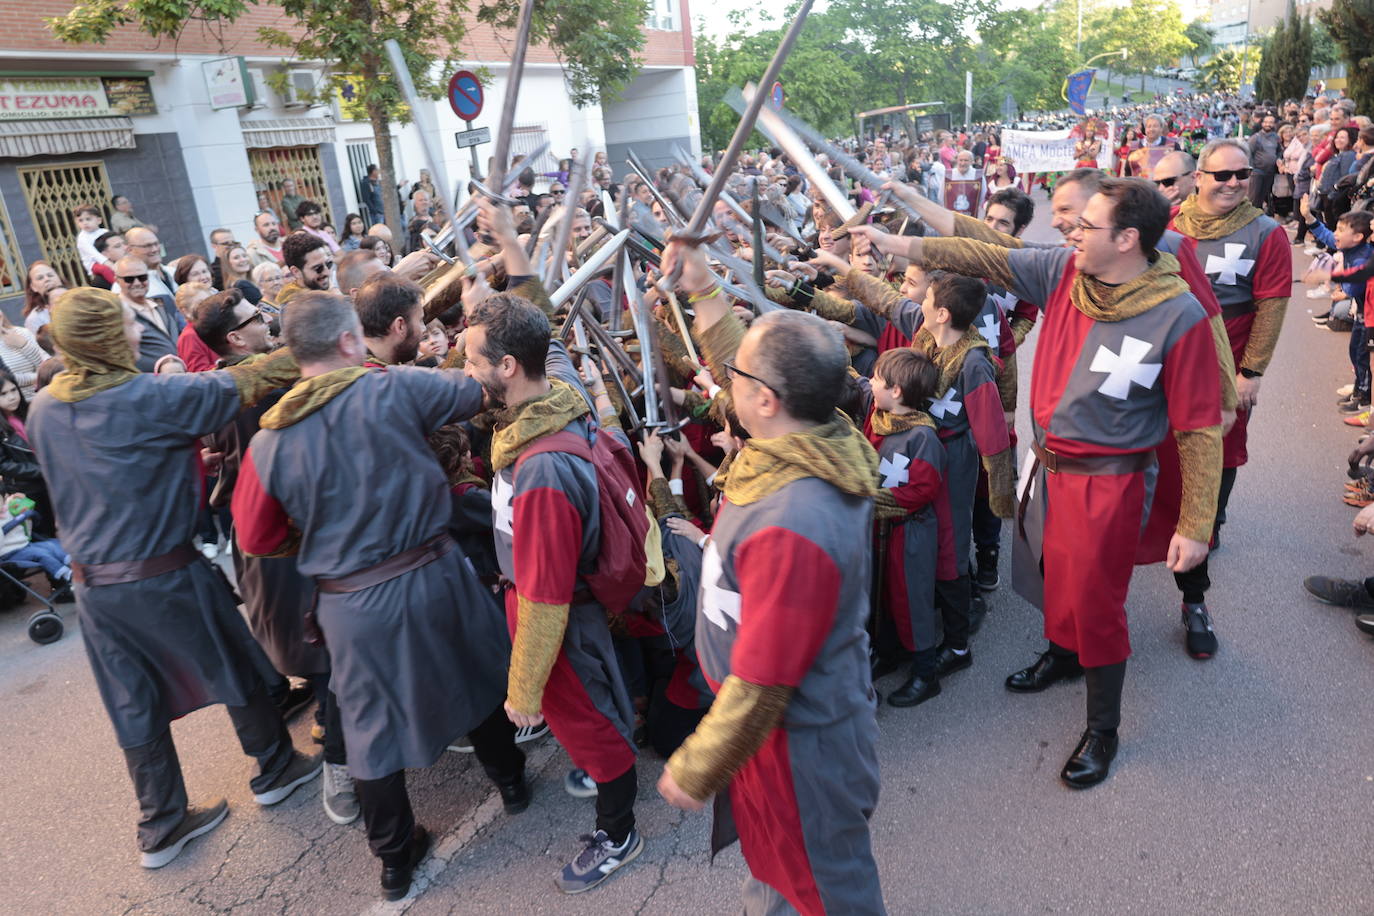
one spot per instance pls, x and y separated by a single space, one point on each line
270 167
53 193
12 271
525 139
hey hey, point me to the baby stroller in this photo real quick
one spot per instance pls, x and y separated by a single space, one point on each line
45 625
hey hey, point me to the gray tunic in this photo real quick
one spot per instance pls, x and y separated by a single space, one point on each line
421 658
122 473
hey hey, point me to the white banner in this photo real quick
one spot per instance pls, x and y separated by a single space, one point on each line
1039 151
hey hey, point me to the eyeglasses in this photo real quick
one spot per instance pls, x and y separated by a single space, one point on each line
134 278
732 369
558 192
1225 175
1167 182
256 316
1088 227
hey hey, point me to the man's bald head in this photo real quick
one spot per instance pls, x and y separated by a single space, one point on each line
143 243
357 266
380 231
1174 176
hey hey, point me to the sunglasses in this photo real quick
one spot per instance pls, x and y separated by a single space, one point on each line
732 369
1225 175
134 278
256 316
1167 182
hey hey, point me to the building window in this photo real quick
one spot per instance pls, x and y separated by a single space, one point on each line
664 16
12 272
53 193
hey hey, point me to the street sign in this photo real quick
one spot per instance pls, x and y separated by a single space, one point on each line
778 95
465 95
468 138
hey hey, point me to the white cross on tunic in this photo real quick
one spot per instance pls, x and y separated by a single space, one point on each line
947 405
502 505
1005 301
894 470
991 329
717 601
1125 368
1231 266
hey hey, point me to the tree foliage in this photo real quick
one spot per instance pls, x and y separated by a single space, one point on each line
1151 31
1351 24
1202 39
597 40
1285 59
1221 73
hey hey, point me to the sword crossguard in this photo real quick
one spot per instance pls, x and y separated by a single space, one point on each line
491 195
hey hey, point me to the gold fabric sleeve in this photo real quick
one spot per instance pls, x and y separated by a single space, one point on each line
1264 334
673 349
966 227
780 296
456 359
885 507
967 257
663 501
1001 470
738 723
255 377
719 343
1020 329
1199 458
877 295
693 403
1226 361
532 288
832 307
539 632
1006 384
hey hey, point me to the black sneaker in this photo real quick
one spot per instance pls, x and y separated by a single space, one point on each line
396 878
985 577
298 772
198 822
1340 592
598 860
949 661
1355 405
1201 639
1320 320
515 796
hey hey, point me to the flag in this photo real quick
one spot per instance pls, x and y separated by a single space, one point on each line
1076 89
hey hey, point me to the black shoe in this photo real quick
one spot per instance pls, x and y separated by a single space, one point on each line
1354 405
1091 760
949 661
294 701
883 665
985 577
1340 592
396 878
1201 640
914 692
1048 669
515 796
1365 624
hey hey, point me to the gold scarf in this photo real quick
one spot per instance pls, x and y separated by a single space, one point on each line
309 395
1103 302
1192 222
835 452
537 417
949 360
88 329
886 423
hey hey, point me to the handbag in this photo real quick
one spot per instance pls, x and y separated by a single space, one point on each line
1283 185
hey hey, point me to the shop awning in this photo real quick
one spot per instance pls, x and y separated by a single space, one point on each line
61 136
287 132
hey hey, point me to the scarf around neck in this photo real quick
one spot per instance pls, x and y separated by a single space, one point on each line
309 395
886 423
949 360
1192 222
835 452
1104 302
535 418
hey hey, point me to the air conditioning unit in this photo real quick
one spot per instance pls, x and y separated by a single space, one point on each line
300 87
260 95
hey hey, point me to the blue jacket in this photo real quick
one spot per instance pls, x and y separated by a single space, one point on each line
1353 257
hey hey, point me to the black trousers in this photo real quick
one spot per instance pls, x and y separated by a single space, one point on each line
156 770
615 805
987 527
952 599
1195 582
385 803
1105 684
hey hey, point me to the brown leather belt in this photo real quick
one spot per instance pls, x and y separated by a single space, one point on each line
1096 466
385 571
125 571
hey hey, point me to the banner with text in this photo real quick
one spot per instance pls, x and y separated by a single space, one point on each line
1039 150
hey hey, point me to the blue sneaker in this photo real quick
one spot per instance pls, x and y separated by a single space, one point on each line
579 784
598 860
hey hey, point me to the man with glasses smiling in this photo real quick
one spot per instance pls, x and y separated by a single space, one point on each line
144 245
311 265
159 324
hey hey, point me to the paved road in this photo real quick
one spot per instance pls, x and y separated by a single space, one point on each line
1238 788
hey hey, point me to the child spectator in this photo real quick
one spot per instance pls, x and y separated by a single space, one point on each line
91 224
1351 239
18 547
110 246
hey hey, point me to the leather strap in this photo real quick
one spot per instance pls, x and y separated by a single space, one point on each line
404 562
125 571
1096 466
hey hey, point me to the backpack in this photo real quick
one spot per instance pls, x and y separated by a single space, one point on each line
624 559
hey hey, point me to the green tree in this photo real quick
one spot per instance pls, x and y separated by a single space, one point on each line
1285 59
598 41
1201 38
1151 31
1325 53
1222 72
1026 52
1351 24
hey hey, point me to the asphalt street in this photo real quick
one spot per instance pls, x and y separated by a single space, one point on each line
1239 787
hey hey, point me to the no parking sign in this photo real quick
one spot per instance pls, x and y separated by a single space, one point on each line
465 95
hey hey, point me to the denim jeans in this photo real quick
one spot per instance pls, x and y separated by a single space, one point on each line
47 554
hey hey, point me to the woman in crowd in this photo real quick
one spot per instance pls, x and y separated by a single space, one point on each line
269 279
1282 194
193 268
195 354
20 354
1088 148
1129 141
40 281
382 248
235 272
353 232
18 464
1002 174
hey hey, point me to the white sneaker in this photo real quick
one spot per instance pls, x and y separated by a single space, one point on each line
527 733
1311 251
461 745
339 794
1321 292
1345 391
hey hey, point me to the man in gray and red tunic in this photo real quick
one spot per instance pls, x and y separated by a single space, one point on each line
1126 353
788 747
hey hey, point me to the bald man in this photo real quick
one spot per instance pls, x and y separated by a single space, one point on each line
1175 178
